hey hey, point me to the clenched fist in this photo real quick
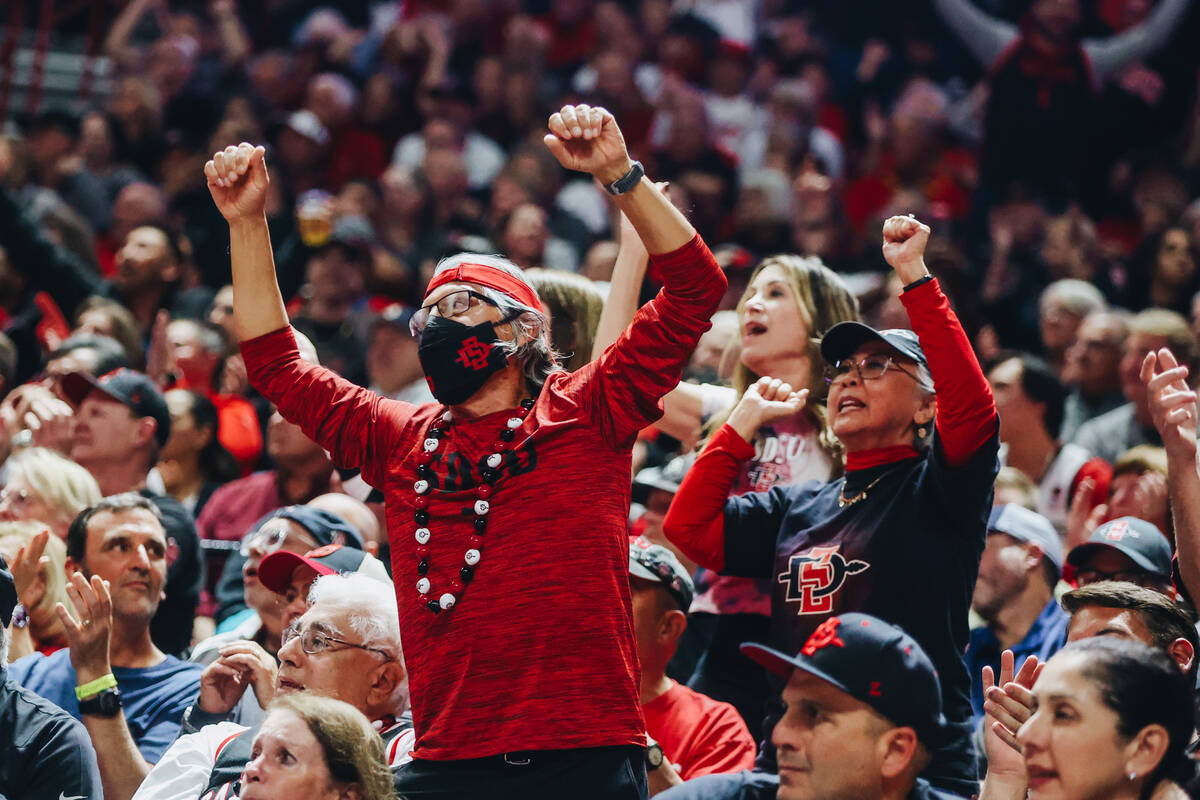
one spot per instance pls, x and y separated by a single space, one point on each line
237 179
586 139
904 240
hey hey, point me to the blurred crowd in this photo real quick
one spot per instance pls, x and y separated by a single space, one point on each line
1053 146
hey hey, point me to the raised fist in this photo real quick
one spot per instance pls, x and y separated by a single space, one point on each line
237 180
904 240
586 139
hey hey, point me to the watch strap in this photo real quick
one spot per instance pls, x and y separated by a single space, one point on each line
90 688
926 278
105 704
627 181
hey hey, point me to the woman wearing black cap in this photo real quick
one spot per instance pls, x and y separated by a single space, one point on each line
900 536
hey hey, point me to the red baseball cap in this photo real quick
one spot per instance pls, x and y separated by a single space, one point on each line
276 570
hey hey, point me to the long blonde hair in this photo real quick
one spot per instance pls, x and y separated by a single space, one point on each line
823 300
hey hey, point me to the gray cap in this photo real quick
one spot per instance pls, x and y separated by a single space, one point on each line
1028 526
667 477
653 562
845 338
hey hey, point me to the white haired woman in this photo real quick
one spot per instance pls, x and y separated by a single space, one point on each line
46 487
901 535
507 500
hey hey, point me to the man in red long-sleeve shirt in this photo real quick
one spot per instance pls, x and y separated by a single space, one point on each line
506 502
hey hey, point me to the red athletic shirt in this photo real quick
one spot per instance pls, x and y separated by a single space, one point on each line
539 651
699 735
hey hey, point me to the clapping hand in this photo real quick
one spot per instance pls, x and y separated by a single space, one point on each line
89 636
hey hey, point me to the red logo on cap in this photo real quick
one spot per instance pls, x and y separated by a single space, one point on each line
824 636
321 552
473 354
875 691
1117 531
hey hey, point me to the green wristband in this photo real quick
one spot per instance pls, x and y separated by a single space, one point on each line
90 688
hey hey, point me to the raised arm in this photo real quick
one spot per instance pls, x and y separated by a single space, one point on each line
349 421
683 406
1173 408
237 179
966 412
985 35
646 361
696 522
1109 55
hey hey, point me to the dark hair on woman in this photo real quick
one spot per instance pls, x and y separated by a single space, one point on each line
216 463
1144 687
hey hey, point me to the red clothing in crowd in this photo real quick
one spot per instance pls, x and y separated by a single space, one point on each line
539 653
699 735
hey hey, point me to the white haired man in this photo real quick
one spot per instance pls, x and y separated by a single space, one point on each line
516 452
346 646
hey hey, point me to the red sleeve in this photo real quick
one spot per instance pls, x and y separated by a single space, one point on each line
724 746
356 426
966 412
627 383
695 523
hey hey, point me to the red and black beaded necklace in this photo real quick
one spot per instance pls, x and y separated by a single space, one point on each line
483 492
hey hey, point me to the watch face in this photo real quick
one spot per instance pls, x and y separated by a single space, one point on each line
654 756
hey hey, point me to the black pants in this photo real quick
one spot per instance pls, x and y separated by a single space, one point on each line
595 773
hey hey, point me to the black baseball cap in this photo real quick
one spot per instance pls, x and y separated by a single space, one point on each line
8 595
844 338
653 562
872 661
276 570
128 387
324 526
666 478
1141 541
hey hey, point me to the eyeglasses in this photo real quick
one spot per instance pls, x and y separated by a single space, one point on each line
868 369
18 498
451 305
314 642
268 538
1147 580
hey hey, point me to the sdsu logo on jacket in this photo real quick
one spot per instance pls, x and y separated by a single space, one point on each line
814 576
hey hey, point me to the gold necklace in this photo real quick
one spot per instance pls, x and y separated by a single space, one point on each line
844 501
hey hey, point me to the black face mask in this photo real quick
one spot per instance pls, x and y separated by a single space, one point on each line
458 359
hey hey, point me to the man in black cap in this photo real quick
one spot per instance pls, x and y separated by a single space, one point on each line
121 421
45 751
864 707
1125 549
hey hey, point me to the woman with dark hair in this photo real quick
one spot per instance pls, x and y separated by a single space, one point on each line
1112 719
901 535
193 463
316 748
1168 275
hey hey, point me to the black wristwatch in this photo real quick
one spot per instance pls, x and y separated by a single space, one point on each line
106 703
627 181
654 755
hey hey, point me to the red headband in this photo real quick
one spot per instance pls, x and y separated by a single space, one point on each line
490 277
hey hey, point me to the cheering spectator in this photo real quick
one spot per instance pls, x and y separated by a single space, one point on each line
128 693
694 734
789 304
345 646
855 543
488 313
1014 594
1062 308
46 750
310 744
1125 611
